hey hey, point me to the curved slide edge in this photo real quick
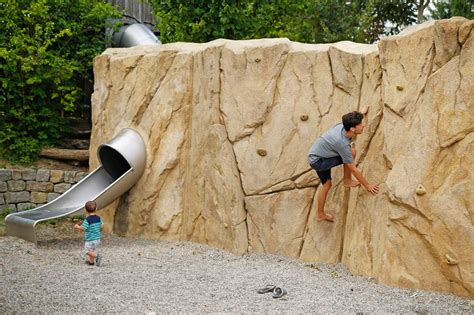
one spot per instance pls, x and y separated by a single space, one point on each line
122 163
134 35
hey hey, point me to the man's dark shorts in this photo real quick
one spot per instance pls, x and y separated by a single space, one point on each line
323 167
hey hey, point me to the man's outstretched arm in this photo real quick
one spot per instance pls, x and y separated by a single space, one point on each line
374 189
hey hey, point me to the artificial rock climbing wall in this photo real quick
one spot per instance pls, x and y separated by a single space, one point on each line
228 124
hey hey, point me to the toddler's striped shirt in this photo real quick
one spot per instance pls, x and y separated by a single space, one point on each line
91 227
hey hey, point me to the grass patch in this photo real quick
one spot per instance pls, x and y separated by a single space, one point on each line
3 214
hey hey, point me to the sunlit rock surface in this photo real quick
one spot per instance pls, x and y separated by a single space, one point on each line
228 125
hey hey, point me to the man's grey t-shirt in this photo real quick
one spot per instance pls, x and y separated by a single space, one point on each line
332 143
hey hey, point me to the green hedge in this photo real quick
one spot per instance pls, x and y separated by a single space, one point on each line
46 53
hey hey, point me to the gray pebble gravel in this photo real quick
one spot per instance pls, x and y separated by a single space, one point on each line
150 276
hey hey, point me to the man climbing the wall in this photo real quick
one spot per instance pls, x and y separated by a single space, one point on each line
333 148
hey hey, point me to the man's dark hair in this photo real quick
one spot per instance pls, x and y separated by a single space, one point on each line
91 206
351 119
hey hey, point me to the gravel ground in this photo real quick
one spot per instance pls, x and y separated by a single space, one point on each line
149 276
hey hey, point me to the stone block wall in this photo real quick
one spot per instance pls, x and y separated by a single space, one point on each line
28 188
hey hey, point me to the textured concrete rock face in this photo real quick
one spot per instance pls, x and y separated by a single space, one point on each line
228 124
425 137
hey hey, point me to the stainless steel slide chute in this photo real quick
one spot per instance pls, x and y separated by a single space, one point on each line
134 35
122 164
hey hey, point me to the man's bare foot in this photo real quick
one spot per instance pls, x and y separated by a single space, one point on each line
352 183
325 217
364 110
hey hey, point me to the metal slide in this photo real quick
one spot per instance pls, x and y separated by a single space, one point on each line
134 35
123 162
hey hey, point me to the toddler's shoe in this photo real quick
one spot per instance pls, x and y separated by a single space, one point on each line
98 260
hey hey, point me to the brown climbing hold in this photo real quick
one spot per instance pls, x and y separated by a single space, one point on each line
257 60
261 152
450 260
399 88
420 190
304 117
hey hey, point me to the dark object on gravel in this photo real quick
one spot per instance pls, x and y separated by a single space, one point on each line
266 289
278 292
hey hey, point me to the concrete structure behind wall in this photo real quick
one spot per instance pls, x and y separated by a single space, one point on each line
137 11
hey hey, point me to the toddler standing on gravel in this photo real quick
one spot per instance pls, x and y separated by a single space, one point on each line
91 226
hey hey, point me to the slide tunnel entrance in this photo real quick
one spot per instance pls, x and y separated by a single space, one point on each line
113 162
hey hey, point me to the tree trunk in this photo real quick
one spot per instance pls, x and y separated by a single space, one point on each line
421 6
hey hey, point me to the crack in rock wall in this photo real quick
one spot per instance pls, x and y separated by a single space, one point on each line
228 125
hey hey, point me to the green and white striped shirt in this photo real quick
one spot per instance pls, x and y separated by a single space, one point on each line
91 227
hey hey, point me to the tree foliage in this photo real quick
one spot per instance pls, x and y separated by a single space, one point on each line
310 21
448 9
46 53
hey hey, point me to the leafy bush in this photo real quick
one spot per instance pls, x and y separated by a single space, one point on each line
310 21
46 53
447 9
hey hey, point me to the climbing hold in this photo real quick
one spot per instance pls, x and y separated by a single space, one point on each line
257 60
399 88
304 117
261 152
226 225
420 190
450 260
